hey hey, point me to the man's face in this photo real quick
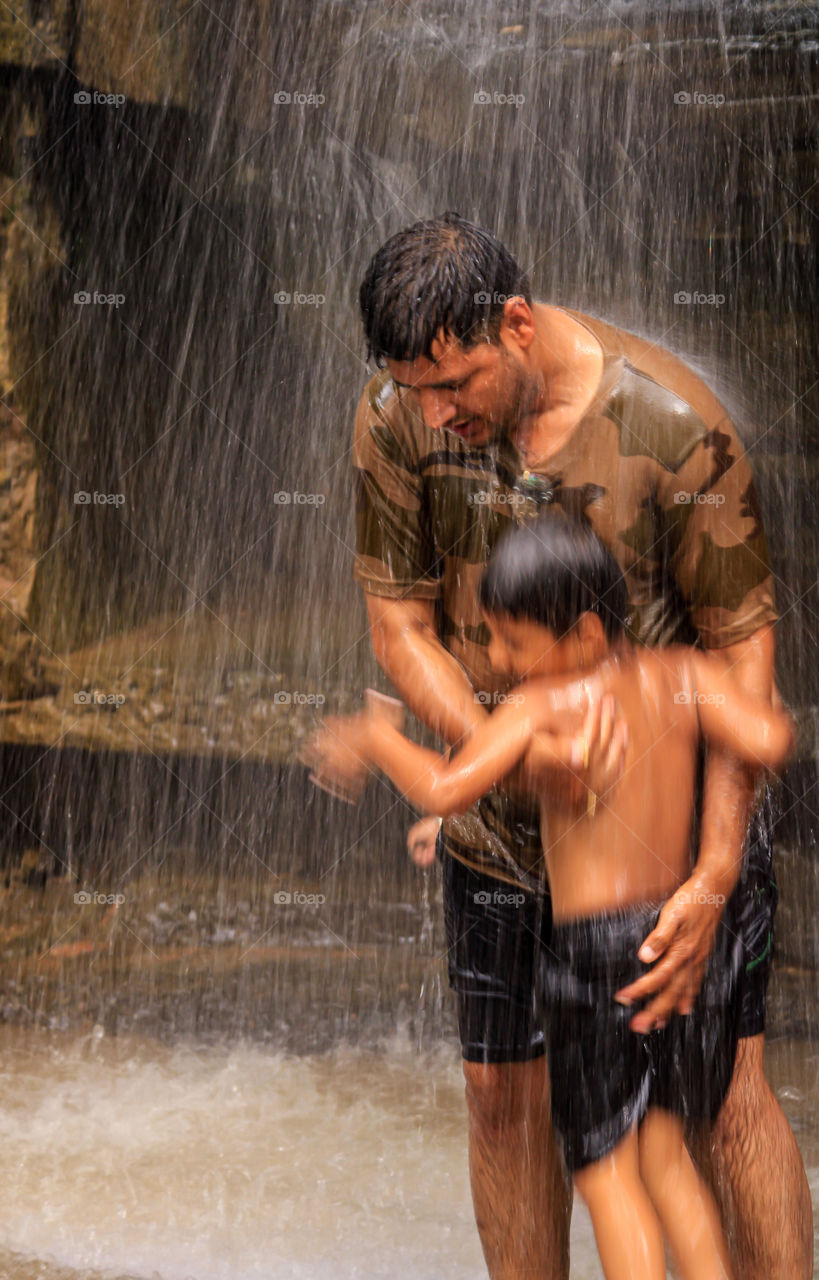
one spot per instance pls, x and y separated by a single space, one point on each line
479 393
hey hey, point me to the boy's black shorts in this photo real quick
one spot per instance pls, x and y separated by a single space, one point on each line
498 935
605 1076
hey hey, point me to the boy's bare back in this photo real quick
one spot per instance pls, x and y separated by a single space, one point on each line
635 846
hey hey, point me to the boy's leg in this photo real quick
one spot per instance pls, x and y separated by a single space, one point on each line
626 1226
685 1206
520 1193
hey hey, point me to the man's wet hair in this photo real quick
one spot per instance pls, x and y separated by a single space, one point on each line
551 572
441 273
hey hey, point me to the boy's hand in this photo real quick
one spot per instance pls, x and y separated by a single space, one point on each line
338 751
595 755
600 750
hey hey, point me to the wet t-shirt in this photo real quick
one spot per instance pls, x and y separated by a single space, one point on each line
656 468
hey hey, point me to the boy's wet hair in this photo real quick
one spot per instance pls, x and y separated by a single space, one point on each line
551 572
441 273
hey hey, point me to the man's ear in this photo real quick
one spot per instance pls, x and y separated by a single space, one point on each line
518 322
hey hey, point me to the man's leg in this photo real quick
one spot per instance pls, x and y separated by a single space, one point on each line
520 1192
760 1179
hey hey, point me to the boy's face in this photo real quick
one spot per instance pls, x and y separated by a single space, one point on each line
522 649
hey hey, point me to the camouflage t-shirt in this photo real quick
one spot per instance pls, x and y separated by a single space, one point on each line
654 465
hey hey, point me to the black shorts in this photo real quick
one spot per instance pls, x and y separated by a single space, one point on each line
605 1076
498 934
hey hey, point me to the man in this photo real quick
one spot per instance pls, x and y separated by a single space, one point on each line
490 407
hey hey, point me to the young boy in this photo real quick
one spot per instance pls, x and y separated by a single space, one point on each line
554 600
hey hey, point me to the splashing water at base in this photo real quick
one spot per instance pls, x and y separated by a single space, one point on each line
128 1158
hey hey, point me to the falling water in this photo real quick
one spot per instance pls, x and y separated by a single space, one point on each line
229 1050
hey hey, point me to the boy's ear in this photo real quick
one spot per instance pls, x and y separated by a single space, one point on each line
590 632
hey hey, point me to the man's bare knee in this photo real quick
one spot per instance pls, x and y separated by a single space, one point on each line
747 1093
499 1094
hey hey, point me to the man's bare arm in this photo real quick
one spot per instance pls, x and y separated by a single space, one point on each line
430 681
684 936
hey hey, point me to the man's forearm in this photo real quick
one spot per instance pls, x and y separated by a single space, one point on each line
729 785
727 797
430 681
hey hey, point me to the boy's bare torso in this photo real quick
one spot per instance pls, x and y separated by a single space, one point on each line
635 846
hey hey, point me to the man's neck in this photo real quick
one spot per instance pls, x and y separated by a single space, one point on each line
566 362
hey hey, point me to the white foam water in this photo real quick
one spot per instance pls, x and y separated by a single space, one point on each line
126 1158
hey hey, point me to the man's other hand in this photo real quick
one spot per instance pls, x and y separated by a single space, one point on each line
421 839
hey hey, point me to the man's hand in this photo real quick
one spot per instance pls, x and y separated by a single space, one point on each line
681 943
684 936
421 839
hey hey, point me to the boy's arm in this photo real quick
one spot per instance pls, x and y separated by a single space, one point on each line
430 780
747 726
